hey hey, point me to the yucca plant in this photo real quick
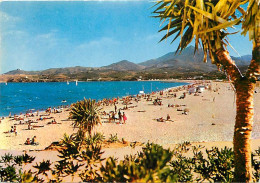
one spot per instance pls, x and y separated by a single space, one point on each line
43 167
25 158
96 138
207 22
7 158
113 138
86 115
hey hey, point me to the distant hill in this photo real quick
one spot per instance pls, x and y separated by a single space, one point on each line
243 60
67 70
124 65
186 62
19 71
53 71
181 62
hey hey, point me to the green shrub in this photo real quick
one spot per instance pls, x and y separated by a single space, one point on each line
149 165
78 158
185 163
113 138
96 138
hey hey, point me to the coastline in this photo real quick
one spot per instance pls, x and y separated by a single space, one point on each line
208 122
34 98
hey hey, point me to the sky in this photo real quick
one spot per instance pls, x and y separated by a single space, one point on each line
37 35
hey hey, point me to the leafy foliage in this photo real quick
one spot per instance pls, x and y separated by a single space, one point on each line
218 166
206 21
185 163
96 138
80 157
149 165
43 167
86 115
113 138
25 158
7 158
11 170
256 164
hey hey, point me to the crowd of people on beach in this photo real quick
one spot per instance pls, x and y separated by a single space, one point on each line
31 117
117 116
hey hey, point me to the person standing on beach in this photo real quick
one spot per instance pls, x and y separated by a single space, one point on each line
119 116
124 117
115 107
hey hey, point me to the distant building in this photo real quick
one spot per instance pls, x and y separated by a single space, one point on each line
198 77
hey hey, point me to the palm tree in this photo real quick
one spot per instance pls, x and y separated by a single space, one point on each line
86 115
207 22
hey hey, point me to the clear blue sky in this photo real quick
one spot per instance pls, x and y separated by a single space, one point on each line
42 35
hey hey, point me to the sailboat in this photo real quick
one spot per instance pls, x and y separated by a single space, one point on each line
76 82
68 83
5 83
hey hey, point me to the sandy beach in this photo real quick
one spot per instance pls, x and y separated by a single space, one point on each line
209 121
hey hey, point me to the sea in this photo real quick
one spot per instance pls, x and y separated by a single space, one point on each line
21 97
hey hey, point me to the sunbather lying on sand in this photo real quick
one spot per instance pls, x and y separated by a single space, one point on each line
160 119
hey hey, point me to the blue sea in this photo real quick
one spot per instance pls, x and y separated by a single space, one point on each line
20 97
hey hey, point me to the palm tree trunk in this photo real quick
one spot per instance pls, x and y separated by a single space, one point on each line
243 129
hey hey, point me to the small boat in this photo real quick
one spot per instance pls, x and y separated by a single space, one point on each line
5 83
63 101
141 92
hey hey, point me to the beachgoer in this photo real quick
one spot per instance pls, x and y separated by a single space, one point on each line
168 117
124 117
30 126
160 119
113 116
28 142
109 118
54 121
119 116
34 141
115 108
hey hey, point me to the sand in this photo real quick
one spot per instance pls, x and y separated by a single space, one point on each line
210 122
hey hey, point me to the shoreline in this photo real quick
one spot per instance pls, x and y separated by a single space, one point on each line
69 104
167 80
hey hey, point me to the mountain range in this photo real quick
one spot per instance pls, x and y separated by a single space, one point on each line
186 62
